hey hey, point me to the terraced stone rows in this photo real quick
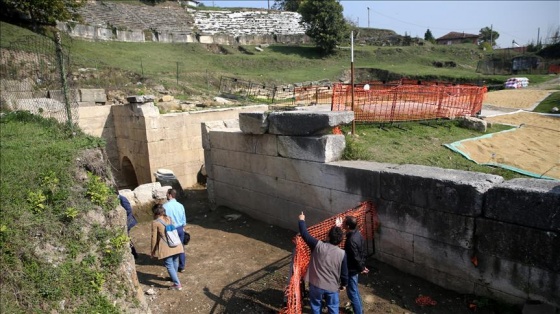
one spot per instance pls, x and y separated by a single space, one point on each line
137 17
169 18
242 23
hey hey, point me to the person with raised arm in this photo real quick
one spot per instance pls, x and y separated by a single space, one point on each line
327 273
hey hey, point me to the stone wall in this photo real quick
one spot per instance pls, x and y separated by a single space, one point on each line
152 141
471 232
171 23
135 134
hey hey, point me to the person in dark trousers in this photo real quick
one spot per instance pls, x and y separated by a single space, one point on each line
355 252
327 273
130 221
176 211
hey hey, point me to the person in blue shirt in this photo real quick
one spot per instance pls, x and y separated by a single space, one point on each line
327 272
130 220
176 211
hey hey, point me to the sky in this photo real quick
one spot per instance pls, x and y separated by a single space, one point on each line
521 21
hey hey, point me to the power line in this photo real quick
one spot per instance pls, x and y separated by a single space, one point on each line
414 24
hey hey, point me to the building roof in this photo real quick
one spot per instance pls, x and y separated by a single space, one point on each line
457 35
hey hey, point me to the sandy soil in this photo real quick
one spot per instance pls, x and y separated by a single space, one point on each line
534 146
516 98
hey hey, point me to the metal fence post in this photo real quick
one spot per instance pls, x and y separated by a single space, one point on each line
62 70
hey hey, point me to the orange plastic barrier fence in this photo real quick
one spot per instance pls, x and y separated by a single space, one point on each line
408 101
368 222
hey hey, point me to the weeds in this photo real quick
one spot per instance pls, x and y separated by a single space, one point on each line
37 201
98 191
42 234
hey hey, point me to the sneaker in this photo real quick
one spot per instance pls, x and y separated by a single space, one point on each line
181 270
176 287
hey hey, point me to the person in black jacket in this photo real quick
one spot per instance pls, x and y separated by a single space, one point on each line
355 251
327 272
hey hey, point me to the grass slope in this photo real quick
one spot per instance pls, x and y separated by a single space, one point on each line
53 258
196 68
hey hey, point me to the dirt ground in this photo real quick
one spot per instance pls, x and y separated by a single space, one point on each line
242 265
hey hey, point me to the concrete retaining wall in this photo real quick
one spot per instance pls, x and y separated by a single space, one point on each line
465 231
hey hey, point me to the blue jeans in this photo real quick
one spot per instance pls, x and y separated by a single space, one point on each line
316 296
172 263
354 294
182 257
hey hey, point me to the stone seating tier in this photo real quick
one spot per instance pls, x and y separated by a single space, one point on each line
126 16
176 19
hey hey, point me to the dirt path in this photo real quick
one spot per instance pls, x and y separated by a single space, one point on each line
241 266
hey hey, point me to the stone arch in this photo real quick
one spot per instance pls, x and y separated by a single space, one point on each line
128 174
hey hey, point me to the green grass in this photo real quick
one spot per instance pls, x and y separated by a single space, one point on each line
47 256
418 144
200 67
553 100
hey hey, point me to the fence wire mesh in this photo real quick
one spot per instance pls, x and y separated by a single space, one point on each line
34 78
298 94
407 100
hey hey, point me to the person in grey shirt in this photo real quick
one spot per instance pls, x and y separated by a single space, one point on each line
327 272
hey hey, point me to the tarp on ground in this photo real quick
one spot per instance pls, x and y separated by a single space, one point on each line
533 148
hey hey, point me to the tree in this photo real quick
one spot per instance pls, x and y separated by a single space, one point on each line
287 5
43 11
487 35
551 51
553 36
429 37
324 23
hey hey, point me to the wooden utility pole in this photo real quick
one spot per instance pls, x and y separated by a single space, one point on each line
352 80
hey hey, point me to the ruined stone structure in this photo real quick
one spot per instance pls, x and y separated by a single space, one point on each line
470 232
140 140
172 23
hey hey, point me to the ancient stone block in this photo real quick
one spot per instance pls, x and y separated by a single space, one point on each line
307 123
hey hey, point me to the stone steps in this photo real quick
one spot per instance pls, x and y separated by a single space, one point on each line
175 18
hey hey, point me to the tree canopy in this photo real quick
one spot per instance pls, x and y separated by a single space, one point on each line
488 35
287 5
429 37
43 11
324 23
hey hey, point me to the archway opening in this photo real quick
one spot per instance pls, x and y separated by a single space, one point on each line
128 179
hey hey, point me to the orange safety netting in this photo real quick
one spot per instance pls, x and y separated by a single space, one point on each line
368 222
408 100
